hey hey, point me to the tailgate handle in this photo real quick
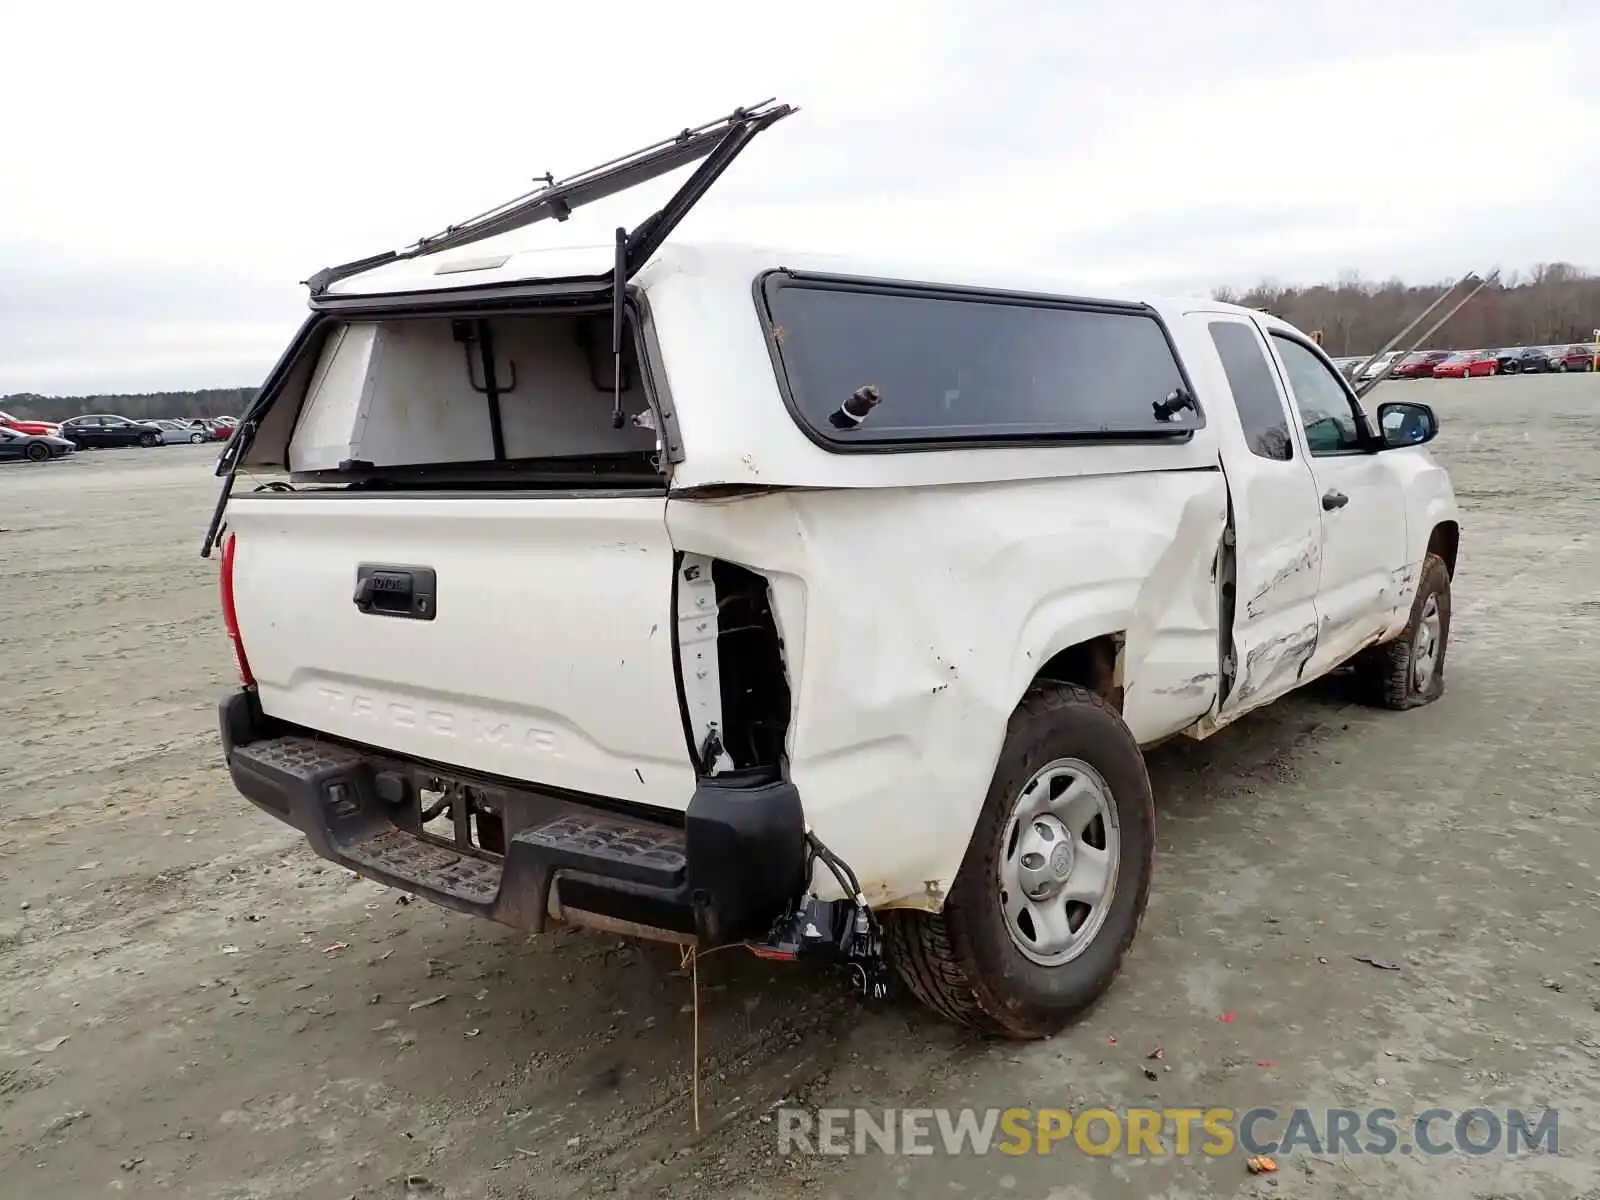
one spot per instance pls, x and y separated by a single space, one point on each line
396 591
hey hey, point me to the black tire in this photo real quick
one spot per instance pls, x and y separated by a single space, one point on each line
37 452
962 962
148 439
1389 672
196 438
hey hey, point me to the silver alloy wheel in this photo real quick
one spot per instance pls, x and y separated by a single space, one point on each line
1425 646
1059 862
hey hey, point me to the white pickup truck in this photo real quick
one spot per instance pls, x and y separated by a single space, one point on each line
724 595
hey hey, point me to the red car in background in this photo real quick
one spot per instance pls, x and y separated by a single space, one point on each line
1576 358
1464 364
1421 364
37 428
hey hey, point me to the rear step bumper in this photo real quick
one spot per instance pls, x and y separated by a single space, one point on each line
727 871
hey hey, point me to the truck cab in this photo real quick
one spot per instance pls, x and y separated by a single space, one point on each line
729 595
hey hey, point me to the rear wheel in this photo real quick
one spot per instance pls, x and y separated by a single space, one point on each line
37 452
196 438
147 440
1409 671
1055 879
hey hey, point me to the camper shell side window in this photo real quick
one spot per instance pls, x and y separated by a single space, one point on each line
869 365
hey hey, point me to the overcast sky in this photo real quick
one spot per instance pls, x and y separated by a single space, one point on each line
171 171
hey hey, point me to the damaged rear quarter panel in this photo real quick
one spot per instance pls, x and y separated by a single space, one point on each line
914 619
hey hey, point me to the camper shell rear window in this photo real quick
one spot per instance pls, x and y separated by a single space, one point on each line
947 365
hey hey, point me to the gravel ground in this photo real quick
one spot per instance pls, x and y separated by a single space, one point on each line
191 1004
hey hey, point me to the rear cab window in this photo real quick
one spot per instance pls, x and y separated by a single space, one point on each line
950 365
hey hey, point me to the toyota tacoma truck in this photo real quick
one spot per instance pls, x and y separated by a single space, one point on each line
725 595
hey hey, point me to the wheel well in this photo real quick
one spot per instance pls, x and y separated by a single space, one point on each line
1095 664
1444 541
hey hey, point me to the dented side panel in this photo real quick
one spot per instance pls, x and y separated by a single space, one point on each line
1430 502
1277 538
914 619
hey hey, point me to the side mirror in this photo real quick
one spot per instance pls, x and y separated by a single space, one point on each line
1404 423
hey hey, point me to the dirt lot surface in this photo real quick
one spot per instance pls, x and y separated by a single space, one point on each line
191 1004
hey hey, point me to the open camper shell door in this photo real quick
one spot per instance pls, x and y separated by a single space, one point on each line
713 145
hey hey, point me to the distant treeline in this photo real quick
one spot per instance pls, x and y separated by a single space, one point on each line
1554 303
207 402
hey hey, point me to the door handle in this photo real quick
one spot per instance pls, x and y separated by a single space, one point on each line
1333 500
396 591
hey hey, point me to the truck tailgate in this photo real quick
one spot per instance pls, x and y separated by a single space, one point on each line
548 656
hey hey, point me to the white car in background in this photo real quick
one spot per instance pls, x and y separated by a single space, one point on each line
179 432
1381 364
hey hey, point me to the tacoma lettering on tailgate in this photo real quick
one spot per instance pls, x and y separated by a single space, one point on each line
441 723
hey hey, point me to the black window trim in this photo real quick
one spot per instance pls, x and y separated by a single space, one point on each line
1357 409
768 282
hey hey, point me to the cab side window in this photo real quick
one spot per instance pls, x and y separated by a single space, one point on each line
1255 390
1327 411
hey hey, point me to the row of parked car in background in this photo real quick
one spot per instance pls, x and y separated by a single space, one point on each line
1471 364
39 441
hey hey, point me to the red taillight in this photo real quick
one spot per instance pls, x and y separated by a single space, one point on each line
230 617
